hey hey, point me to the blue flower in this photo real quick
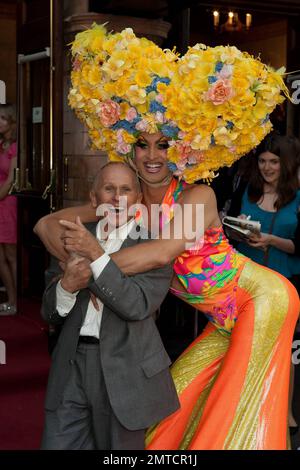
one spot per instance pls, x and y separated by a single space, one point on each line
155 81
169 131
150 88
212 140
128 126
212 79
266 118
155 106
165 80
229 125
172 166
219 66
117 99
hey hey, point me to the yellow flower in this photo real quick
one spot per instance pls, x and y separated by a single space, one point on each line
89 39
129 138
260 110
229 54
142 78
115 157
107 66
142 108
240 83
114 68
94 76
200 142
75 78
86 92
136 95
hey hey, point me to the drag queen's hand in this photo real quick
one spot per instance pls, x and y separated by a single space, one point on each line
78 239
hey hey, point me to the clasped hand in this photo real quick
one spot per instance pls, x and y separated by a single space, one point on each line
76 276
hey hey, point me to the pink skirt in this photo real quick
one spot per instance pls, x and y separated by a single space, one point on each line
8 220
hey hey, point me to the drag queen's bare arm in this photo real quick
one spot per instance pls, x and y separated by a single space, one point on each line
138 258
164 250
50 231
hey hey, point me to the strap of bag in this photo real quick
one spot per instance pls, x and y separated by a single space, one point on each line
266 254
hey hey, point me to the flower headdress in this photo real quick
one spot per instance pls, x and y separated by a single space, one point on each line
213 104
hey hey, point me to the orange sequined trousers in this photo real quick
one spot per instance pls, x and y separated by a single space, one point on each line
234 390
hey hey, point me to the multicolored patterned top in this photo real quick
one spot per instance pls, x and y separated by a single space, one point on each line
209 271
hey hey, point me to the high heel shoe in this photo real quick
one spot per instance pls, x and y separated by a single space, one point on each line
7 309
293 430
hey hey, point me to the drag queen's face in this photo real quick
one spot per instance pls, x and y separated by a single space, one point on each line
151 157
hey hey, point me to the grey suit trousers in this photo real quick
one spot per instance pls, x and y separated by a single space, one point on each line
85 419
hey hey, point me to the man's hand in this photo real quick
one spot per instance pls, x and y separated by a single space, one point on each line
63 268
76 275
78 239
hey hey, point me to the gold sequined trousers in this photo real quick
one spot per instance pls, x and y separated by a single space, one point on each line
234 390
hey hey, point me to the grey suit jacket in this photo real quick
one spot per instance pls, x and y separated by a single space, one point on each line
135 364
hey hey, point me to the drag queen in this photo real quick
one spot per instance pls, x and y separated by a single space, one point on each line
177 120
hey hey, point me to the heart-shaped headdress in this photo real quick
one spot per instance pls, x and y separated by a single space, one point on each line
213 103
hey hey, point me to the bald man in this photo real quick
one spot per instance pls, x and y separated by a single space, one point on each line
109 378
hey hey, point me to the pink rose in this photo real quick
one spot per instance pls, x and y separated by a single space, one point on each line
123 148
160 117
131 114
109 113
219 92
159 98
225 72
184 149
76 64
142 125
195 157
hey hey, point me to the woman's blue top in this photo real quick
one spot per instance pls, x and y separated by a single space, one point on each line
285 224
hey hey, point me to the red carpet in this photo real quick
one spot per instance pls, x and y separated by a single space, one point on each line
23 378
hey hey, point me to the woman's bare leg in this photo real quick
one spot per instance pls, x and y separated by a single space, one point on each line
8 270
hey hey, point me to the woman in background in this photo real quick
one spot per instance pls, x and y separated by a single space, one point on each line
8 208
272 197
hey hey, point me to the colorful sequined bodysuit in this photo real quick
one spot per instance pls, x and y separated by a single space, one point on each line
209 271
228 384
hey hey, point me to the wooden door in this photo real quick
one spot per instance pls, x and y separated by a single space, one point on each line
39 46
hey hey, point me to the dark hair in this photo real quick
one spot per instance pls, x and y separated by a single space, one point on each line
288 150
